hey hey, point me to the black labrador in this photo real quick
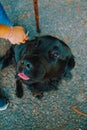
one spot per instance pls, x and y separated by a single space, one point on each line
40 64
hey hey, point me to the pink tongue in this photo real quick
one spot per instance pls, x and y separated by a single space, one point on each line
23 76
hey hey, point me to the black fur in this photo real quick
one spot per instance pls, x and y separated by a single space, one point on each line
44 60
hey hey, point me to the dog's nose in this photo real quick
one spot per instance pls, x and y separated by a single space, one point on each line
27 64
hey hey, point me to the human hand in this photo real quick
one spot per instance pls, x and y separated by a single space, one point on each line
17 35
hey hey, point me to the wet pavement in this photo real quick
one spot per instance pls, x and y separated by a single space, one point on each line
66 108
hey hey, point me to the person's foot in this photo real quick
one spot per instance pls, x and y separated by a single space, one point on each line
3 104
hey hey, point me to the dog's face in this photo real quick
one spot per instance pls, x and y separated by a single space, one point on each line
46 57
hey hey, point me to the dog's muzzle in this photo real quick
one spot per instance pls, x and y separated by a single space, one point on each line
31 68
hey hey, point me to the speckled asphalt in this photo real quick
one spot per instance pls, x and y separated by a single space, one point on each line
67 20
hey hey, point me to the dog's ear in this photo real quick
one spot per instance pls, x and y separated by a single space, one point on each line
70 64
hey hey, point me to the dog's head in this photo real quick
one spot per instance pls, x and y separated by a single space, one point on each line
45 57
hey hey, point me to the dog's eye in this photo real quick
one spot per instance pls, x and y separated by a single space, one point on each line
54 53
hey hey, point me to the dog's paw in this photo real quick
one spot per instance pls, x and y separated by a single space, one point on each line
19 94
38 95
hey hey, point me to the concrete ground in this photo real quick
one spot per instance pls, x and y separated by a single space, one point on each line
67 20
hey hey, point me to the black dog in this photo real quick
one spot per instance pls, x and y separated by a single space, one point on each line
40 64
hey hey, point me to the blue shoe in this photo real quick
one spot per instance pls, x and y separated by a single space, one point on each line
3 104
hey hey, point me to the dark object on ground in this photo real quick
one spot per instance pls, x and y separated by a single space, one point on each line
40 64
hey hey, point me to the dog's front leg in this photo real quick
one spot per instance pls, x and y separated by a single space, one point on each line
19 88
37 91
